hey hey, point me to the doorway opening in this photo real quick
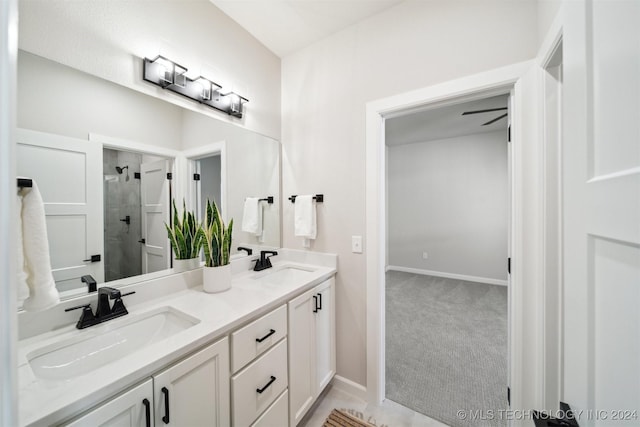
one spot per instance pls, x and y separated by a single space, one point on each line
447 246
515 80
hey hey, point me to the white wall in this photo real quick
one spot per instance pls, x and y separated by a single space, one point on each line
448 198
109 38
547 12
325 88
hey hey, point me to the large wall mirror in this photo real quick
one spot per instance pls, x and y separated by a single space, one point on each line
101 153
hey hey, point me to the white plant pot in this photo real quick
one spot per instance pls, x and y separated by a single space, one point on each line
216 279
180 265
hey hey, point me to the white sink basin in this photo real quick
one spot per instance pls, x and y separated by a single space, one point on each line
284 274
101 344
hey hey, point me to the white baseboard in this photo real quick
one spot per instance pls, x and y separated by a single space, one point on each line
448 275
348 386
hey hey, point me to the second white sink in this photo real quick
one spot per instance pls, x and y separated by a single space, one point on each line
105 343
283 274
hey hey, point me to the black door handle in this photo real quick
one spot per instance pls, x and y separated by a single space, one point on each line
320 299
143 241
166 405
260 390
94 258
271 332
147 411
315 303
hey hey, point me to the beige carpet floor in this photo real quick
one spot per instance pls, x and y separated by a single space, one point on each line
446 347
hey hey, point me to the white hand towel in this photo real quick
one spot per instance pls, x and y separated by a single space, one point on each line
37 264
305 218
252 216
23 290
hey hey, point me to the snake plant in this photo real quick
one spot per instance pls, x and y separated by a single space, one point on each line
216 238
184 235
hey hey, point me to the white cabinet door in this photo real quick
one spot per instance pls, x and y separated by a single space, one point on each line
312 347
325 318
129 409
301 356
195 392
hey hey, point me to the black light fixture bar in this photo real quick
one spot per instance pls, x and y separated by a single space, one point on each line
172 76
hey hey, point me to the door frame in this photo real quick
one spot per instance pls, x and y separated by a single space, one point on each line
498 81
8 264
192 190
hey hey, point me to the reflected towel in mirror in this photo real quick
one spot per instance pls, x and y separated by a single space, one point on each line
33 252
252 216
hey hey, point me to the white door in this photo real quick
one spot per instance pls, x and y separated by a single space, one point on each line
132 408
325 334
601 168
302 337
155 194
195 392
68 173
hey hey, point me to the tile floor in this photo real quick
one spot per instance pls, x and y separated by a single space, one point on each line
387 414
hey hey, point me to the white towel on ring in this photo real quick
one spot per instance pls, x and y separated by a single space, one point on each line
35 244
305 217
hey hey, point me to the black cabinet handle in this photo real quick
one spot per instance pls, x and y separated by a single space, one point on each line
320 299
260 390
271 332
315 303
166 405
147 411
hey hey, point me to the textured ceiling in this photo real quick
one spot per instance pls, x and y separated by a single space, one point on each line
445 122
285 26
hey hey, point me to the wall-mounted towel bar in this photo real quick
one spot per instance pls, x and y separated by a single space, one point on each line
25 182
268 199
319 198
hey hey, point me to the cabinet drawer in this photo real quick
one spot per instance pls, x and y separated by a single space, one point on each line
254 388
250 341
277 414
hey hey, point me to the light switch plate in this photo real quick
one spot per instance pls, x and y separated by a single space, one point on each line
356 244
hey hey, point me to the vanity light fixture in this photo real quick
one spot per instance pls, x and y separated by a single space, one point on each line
172 76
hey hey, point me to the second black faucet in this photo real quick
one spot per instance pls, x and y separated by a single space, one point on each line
264 262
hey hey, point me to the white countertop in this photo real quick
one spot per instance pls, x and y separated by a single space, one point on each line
42 402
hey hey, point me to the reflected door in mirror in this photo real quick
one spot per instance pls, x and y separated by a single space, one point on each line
64 170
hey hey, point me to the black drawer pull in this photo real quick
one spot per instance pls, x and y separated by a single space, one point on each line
315 303
166 405
260 390
320 299
147 411
271 332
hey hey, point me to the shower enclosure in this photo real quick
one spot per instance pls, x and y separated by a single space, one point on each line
122 214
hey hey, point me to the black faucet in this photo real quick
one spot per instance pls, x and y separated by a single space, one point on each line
264 262
249 250
104 311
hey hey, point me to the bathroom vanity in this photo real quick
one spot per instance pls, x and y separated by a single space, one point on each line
256 355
